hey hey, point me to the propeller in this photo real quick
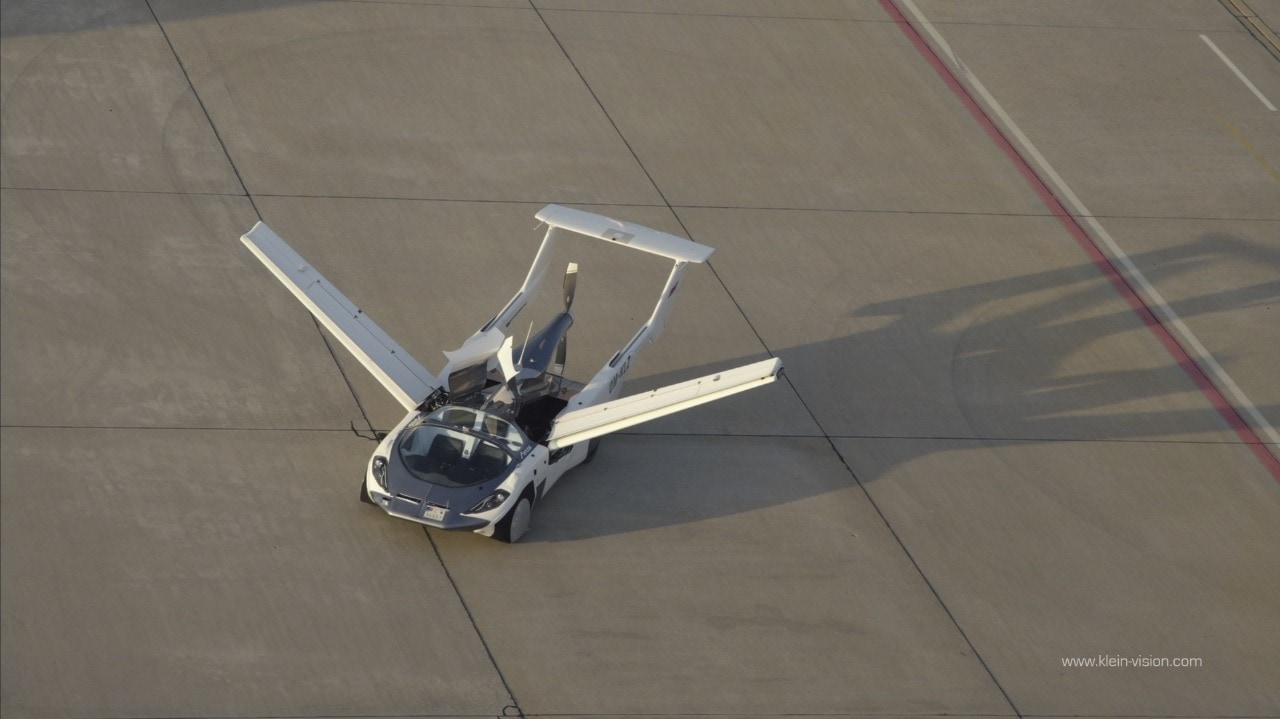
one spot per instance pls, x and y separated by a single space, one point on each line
570 287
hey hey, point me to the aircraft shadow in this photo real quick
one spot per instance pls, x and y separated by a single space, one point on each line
998 348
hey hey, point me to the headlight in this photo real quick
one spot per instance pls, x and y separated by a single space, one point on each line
494 500
380 472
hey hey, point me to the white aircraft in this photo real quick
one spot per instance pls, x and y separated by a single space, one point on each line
486 439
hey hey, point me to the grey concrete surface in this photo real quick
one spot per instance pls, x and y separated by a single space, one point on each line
1145 15
1268 10
93 100
1173 152
1222 277
1152 134
979 463
811 118
441 102
128 310
1114 548
734 575
220 573
865 10
951 326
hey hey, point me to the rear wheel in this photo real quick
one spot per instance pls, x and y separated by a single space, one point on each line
592 446
516 522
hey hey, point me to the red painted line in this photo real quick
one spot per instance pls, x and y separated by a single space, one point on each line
1139 306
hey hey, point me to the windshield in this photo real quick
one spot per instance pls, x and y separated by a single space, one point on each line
462 453
479 422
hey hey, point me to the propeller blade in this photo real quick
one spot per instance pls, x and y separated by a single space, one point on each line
562 353
570 284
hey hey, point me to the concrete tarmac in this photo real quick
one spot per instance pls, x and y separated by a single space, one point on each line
981 465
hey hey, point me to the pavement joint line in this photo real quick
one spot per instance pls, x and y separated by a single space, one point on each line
175 193
175 428
603 110
515 704
1032 440
1128 281
920 571
226 152
615 11
203 109
806 715
461 200
342 371
401 715
690 434
961 213
794 389
596 203
706 715
871 21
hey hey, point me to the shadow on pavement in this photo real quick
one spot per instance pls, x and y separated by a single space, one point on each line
1006 383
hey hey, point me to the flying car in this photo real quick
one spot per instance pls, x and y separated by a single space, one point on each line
487 438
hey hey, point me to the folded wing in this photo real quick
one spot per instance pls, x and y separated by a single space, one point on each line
579 425
407 380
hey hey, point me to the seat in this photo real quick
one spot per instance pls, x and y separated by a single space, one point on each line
445 450
488 461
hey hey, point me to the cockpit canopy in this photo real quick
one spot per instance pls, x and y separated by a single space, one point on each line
459 447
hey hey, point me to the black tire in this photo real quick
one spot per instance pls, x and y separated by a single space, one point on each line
515 524
364 493
592 447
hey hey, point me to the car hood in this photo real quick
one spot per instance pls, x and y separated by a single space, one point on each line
402 483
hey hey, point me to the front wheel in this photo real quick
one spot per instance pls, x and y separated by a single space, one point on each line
513 526
364 492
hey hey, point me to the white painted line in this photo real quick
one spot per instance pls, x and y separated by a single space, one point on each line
1239 74
1154 299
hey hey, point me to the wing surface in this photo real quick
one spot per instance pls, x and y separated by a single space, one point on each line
407 380
637 237
579 425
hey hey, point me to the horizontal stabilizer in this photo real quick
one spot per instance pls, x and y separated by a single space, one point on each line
635 236
587 423
395 368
